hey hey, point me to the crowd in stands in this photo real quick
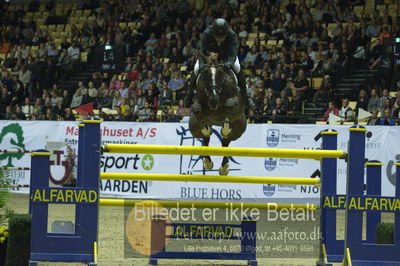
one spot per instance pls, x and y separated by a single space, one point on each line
326 39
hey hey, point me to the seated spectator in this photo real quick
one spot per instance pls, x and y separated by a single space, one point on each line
278 108
176 84
383 101
140 99
74 52
332 109
115 83
182 110
106 100
123 90
68 115
91 88
325 91
117 99
165 94
387 119
251 57
27 108
134 73
362 101
151 98
345 112
151 43
86 97
277 81
145 112
301 84
150 79
373 119
19 114
76 99
373 103
396 107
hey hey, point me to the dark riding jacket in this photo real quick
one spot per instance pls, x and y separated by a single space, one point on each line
227 51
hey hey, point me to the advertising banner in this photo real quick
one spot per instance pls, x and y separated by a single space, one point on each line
381 144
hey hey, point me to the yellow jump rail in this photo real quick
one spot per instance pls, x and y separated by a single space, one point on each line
223 151
212 178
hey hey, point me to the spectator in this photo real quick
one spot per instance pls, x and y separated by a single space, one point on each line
76 99
325 91
176 84
74 52
68 115
117 99
332 109
278 108
251 57
19 114
373 119
144 112
151 98
182 110
106 101
374 101
91 89
301 84
27 108
362 101
346 113
150 79
277 82
387 119
151 43
165 94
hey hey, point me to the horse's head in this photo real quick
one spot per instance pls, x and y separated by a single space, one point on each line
213 76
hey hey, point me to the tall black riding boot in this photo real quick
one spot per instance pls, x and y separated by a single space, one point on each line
243 90
190 86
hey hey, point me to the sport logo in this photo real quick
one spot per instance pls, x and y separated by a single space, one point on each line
269 190
270 163
272 137
12 137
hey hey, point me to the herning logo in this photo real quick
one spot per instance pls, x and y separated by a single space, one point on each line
12 137
272 137
270 163
269 190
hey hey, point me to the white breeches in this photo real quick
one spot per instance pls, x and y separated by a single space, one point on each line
236 67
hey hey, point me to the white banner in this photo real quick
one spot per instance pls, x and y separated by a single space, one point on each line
381 145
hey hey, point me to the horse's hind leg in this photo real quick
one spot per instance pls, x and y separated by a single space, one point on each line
201 131
224 169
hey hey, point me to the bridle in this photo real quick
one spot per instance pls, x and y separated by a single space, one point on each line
215 88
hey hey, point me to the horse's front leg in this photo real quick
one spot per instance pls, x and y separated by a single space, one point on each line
224 169
201 131
226 129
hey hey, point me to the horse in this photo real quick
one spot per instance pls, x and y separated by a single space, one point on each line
222 104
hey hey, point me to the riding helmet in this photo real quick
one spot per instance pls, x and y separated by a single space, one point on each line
220 28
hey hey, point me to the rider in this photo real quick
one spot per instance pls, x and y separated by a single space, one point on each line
219 38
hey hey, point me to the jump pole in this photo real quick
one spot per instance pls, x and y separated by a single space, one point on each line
204 204
212 178
223 151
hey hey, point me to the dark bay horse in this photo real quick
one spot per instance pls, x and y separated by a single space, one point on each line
221 105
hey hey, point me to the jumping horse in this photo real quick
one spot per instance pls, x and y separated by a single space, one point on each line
222 105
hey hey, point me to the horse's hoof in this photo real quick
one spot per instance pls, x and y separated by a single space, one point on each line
224 169
225 130
208 164
206 131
